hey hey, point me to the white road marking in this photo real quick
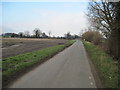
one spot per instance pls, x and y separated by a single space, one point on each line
91 83
90 77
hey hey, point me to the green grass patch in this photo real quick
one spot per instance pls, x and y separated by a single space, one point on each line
1 63
69 42
15 64
106 66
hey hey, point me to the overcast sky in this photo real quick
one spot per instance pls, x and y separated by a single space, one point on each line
58 17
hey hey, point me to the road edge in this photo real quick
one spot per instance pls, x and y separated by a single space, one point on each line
94 71
23 72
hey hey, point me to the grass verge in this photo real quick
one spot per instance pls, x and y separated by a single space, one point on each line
12 66
106 66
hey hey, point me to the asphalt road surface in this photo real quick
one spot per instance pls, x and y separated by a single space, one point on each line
68 69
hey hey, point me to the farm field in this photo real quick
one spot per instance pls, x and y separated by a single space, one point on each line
15 46
17 65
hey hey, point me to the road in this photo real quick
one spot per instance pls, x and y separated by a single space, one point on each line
68 69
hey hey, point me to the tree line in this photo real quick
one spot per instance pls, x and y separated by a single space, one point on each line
104 18
37 33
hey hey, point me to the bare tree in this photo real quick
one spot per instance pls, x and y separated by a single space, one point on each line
37 32
104 16
68 35
44 35
20 34
101 16
49 32
27 33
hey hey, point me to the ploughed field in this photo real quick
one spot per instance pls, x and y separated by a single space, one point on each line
15 46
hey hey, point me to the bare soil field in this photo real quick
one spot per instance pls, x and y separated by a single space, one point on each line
15 46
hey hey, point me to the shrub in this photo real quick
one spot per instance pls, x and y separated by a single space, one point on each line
92 36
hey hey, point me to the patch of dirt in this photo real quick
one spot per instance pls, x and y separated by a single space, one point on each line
15 46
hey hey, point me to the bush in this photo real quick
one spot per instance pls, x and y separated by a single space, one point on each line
87 36
92 36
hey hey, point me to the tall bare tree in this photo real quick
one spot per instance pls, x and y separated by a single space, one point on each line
105 17
20 34
49 32
68 35
37 32
102 16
